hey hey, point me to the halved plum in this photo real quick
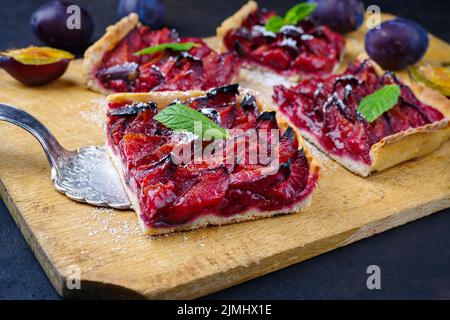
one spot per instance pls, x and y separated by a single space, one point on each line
35 66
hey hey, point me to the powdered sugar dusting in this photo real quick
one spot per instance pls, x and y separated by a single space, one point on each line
262 82
96 113
327 164
121 232
262 78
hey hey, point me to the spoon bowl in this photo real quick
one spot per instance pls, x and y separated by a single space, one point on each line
84 175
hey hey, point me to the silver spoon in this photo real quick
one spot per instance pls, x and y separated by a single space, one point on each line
85 175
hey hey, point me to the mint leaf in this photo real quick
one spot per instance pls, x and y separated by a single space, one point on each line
181 117
176 46
274 24
377 103
299 12
292 17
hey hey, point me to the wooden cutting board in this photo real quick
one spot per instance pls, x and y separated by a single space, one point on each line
115 260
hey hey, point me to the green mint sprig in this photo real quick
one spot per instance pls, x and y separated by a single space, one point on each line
181 117
176 46
377 103
292 17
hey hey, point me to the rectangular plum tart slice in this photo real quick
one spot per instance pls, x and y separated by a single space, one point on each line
326 111
228 184
295 51
111 64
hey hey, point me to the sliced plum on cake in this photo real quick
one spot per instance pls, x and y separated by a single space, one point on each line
131 57
366 120
231 180
292 46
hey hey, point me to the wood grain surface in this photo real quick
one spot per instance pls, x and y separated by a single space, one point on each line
116 261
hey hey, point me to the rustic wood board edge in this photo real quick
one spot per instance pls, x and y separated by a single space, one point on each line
288 258
208 285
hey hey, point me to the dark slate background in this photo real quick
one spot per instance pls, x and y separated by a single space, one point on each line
414 259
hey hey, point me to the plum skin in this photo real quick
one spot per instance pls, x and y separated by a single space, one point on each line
34 75
150 12
397 44
49 24
342 16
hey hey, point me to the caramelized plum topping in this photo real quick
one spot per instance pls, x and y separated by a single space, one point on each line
172 193
305 49
249 103
128 71
247 178
132 109
207 192
267 120
198 68
327 109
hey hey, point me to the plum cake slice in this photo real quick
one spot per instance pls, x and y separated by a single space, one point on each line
295 50
366 119
131 57
226 185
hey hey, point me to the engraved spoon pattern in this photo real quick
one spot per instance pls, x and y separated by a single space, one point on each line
84 175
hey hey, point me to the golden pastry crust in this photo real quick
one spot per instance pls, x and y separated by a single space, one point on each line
94 54
162 99
233 22
408 145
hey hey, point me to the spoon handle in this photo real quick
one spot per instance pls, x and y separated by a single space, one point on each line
53 150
